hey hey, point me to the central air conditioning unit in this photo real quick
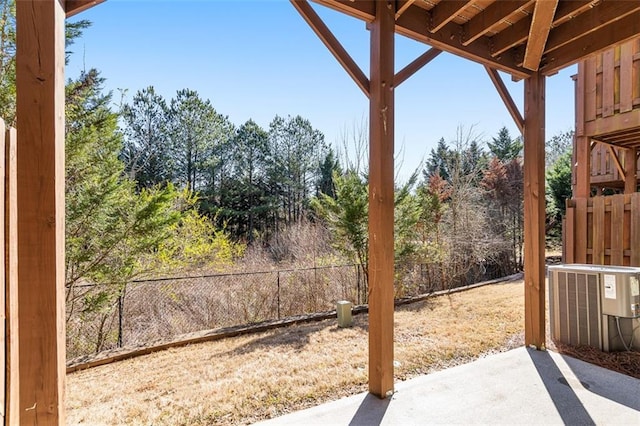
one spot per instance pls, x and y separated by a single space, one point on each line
594 305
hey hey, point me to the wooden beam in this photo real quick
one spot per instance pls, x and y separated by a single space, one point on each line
613 124
534 210
332 43
611 34
365 10
381 201
445 12
630 170
517 33
591 21
616 160
506 98
12 358
539 32
411 24
73 7
415 65
402 6
40 61
486 20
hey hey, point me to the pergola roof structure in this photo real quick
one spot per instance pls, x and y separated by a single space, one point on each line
528 39
514 36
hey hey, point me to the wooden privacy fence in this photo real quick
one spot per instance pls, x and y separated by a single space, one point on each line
603 230
8 272
606 167
611 86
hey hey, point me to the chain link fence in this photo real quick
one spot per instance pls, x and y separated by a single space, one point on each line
149 311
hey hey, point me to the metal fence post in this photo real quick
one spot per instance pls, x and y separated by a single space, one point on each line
120 315
358 282
278 295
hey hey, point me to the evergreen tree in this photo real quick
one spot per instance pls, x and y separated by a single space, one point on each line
328 167
296 151
7 61
438 162
503 147
196 129
245 203
146 148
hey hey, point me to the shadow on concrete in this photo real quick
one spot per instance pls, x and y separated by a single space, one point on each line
371 411
567 403
624 390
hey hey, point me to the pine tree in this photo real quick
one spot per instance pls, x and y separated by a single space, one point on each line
503 147
438 162
146 148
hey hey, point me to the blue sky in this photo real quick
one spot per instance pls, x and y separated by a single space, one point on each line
255 59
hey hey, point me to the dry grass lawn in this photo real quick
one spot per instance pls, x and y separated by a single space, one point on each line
244 379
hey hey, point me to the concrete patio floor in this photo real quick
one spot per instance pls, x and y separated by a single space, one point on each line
521 386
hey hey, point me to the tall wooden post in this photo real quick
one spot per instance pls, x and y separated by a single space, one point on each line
381 128
40 178
582 167
534 210
630 170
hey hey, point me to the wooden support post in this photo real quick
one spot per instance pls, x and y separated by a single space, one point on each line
40 158
381 257
630 171
534 210
582 167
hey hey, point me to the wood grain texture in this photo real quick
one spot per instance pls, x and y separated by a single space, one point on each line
608 86
630 170
40 61
582 167
617 229
541 22
12 385
381 201
534 210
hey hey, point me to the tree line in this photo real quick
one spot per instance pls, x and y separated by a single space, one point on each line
251 180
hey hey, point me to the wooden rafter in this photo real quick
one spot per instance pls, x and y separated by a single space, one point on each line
445 12
402 6
73 7
493 15
517 33
589 22
497 36
415 65
539 32
611 34
411 24
332 43
506 98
